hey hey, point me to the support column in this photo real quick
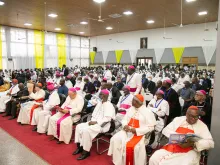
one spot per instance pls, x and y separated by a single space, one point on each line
214 158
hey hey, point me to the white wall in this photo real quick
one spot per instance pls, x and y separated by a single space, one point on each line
190 35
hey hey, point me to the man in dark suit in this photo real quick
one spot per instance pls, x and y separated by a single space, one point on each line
89 89
151 86
119 84
21 97
114 93
65 70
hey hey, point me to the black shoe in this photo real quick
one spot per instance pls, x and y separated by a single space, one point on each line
84 155
78 151
59 142
35 128
5 115
11 118
52 138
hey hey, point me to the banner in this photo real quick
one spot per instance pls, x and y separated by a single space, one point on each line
208 53
92 57
178 52
1 48
159 53
61 47
39 49
133 54
118 54
105 55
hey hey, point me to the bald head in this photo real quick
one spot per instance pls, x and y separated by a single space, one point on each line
21 86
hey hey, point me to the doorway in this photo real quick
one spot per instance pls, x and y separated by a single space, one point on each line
190 61
144 61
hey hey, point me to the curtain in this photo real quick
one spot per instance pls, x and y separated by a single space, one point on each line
39 49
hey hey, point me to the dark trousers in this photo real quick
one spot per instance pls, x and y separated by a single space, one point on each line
11 108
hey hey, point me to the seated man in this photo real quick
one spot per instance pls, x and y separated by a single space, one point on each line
103 113
27 111
5 98
45 112
60 124
184 153
125 102
160 108
12 105
128 145
62 88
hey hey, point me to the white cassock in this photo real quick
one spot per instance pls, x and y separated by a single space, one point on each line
124 103
182 80
60 124
5 98
192 157
135 83
57 80
45 112
25 112
69 84
84 134
176 87
120 140
108 75
79 86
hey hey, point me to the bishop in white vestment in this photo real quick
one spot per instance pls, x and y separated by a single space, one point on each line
47 106
187 153
29 111
60 124
128 145
102 115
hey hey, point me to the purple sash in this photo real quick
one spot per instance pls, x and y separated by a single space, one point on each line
77 88
60 120
133 89
125 106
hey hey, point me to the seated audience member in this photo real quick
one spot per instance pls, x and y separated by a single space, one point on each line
195 84
11 106
89 88
79 86
5 98
68 83
97 83
46 107
174 85
57 78
204 107
128 145
124 103
187 95
62 88
102 115
119 84
29 111
60 124
114 93
158 86
187 153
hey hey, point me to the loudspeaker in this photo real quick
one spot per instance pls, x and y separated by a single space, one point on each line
95 49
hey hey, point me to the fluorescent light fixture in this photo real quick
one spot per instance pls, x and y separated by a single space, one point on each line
2 3
150 21
128 13
99 1
109 28
57 29
203 13
83 23
190 0
53 15
27 24
81 32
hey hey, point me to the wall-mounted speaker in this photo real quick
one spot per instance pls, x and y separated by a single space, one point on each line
95 49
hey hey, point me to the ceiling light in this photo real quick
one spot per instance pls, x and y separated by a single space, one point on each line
128 13
99 1
190 0
27 24
57 29
109 28
81 32
53 15
203 13
83 23
2 3
150 21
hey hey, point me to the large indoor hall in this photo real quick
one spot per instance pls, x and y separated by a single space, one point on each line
109 82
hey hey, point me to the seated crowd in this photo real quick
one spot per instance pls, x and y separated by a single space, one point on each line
137 106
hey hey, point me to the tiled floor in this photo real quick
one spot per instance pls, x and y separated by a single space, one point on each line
13 152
